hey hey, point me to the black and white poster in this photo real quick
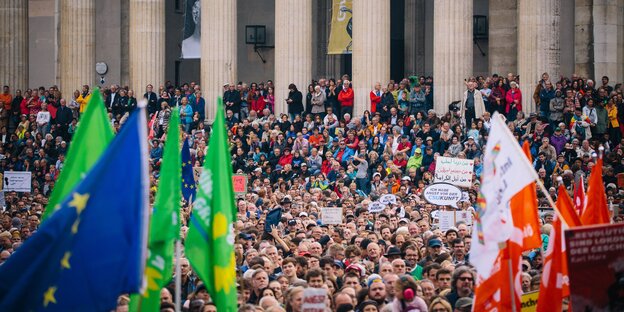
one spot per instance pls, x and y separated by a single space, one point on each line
191 44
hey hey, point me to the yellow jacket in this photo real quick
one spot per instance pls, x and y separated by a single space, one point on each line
612 113
83 102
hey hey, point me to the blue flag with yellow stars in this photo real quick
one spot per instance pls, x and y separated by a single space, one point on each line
188 179
93 248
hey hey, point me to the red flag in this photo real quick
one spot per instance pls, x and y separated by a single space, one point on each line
489 292
512 272
555 282
596 211
524 212
564 203
579 197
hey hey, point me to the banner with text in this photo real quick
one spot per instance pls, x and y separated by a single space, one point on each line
596 267
456 171
341 26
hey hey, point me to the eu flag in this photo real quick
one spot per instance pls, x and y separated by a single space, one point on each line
93 248
188 179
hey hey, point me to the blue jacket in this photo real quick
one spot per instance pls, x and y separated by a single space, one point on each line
189 114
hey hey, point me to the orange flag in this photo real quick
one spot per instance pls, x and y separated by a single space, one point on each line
580 199
566 208
524 211
555 282
596 211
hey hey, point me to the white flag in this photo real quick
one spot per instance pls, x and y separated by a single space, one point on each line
506 171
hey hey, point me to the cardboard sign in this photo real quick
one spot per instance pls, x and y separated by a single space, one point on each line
529 301
456 171
239 182
314 300
331 215
596 267
442 194
18 181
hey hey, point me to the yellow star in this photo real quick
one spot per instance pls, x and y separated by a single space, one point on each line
192 186
185 185
189 162
65 260
183 164
48 296
74 228
79 202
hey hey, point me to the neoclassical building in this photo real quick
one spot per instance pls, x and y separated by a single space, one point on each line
47 42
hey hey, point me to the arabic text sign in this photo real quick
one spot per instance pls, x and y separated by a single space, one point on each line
331 215
18 181
314 299
595 265
442 194
455 171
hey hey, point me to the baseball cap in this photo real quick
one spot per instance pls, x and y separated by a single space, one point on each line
435 243
463 302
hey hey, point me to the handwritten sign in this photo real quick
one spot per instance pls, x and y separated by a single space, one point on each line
455 171
331 215
18 181
239 182
388 199
314 300
443 194
375 207
595 265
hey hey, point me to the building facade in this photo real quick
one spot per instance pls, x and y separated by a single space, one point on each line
59 42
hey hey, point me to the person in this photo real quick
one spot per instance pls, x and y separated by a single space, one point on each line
375 97
186 115
462 285
294 101
514 101
345 97
472 105
152 99
232 100
318 102
405 296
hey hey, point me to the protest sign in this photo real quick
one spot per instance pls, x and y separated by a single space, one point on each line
314 300
388 199
529 301
239 182
456 171
448 219
442 194
376 207
18 181
596 267
331 215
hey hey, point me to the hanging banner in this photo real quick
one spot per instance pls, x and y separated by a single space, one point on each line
341 28
191 44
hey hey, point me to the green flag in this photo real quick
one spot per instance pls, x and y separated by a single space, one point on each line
164 223
210 239
92 136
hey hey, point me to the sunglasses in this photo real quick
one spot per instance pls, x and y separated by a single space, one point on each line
466 279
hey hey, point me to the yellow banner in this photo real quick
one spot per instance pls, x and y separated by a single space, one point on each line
341 26
529 301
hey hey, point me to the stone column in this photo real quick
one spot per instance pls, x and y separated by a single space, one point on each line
14 42
371 49
452 51
218 50
414 37
293 49
147 44
538 45
548 38
605 20
583 38
503 35
77 45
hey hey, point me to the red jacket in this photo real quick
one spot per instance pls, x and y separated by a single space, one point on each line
513 95
374 100
346 97
258 104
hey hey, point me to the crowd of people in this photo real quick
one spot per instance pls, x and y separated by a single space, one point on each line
318 154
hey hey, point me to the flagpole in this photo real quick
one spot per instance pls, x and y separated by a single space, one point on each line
550 201
178 277
511 284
